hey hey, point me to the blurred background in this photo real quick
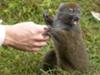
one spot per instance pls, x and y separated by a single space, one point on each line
14 62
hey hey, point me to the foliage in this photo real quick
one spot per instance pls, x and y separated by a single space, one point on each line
14 62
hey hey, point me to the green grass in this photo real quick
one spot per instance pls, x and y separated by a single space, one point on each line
15 62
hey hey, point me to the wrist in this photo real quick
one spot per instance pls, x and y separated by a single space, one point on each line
2 34
8 35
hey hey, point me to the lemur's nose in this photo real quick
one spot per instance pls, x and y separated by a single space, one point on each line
75 18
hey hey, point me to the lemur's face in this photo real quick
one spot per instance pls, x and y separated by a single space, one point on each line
69 13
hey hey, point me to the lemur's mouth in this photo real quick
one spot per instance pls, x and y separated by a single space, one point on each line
73 19
75 22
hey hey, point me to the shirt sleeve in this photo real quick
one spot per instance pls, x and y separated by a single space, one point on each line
2 34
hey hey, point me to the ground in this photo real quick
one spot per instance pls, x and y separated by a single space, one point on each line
15 62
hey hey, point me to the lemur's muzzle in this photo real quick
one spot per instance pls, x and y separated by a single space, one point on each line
73 17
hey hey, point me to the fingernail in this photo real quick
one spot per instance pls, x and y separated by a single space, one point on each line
47 29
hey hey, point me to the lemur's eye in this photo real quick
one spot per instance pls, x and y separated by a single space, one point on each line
77 10
69 10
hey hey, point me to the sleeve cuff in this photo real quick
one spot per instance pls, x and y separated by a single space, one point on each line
2 34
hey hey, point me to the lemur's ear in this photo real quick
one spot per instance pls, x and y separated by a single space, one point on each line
48 19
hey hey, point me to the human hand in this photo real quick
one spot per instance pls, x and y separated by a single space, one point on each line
26 36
